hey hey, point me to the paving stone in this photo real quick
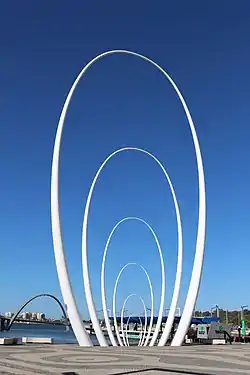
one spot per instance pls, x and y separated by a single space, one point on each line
75 360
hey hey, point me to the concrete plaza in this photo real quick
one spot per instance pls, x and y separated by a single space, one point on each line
73 360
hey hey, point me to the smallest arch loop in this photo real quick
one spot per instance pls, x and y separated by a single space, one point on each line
124 334
114 303
127 327
103 289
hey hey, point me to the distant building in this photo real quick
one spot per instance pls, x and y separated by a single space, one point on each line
34 316
8 315
40 316
26 315
43 317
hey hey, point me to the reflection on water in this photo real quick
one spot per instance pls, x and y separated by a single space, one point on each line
57 332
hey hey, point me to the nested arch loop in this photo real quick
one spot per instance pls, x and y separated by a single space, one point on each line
126 331
104 305
124 334
87 285
61 265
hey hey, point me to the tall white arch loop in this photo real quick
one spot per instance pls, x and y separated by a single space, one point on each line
61 264
122 317
145 323
126 330
143 332
88 292
124 336
103 293
104 307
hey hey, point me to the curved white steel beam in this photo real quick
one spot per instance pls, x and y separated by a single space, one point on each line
145 321
114 303
103 294
61 264
141 333
122 316
180 246
126 330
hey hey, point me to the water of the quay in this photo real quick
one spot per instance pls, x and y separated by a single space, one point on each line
57 332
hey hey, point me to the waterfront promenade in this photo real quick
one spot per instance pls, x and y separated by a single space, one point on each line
73 360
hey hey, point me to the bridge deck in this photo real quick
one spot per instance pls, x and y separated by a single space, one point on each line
71 359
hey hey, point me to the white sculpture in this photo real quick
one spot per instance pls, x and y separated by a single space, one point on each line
125 334
67 292
114 307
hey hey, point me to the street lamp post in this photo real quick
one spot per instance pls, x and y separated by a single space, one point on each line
178 311
216 307
124 314
166 312
242 311
125 311
148 309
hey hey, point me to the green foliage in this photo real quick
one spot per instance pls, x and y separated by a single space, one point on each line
233 317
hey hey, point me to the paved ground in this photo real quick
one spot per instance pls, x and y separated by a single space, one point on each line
73 360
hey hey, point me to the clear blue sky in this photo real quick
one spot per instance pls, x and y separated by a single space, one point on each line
123 101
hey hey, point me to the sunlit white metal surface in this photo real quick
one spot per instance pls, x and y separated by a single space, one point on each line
61 265
127 327
122 319
112 338
179 262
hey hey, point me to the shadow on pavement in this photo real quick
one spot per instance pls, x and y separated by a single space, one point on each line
180 372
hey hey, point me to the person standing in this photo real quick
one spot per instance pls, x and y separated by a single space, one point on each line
239 331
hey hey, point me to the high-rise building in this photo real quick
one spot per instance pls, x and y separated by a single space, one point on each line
40 316
26 315
34 316
8 314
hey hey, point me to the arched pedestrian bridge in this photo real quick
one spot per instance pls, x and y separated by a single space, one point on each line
6 323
